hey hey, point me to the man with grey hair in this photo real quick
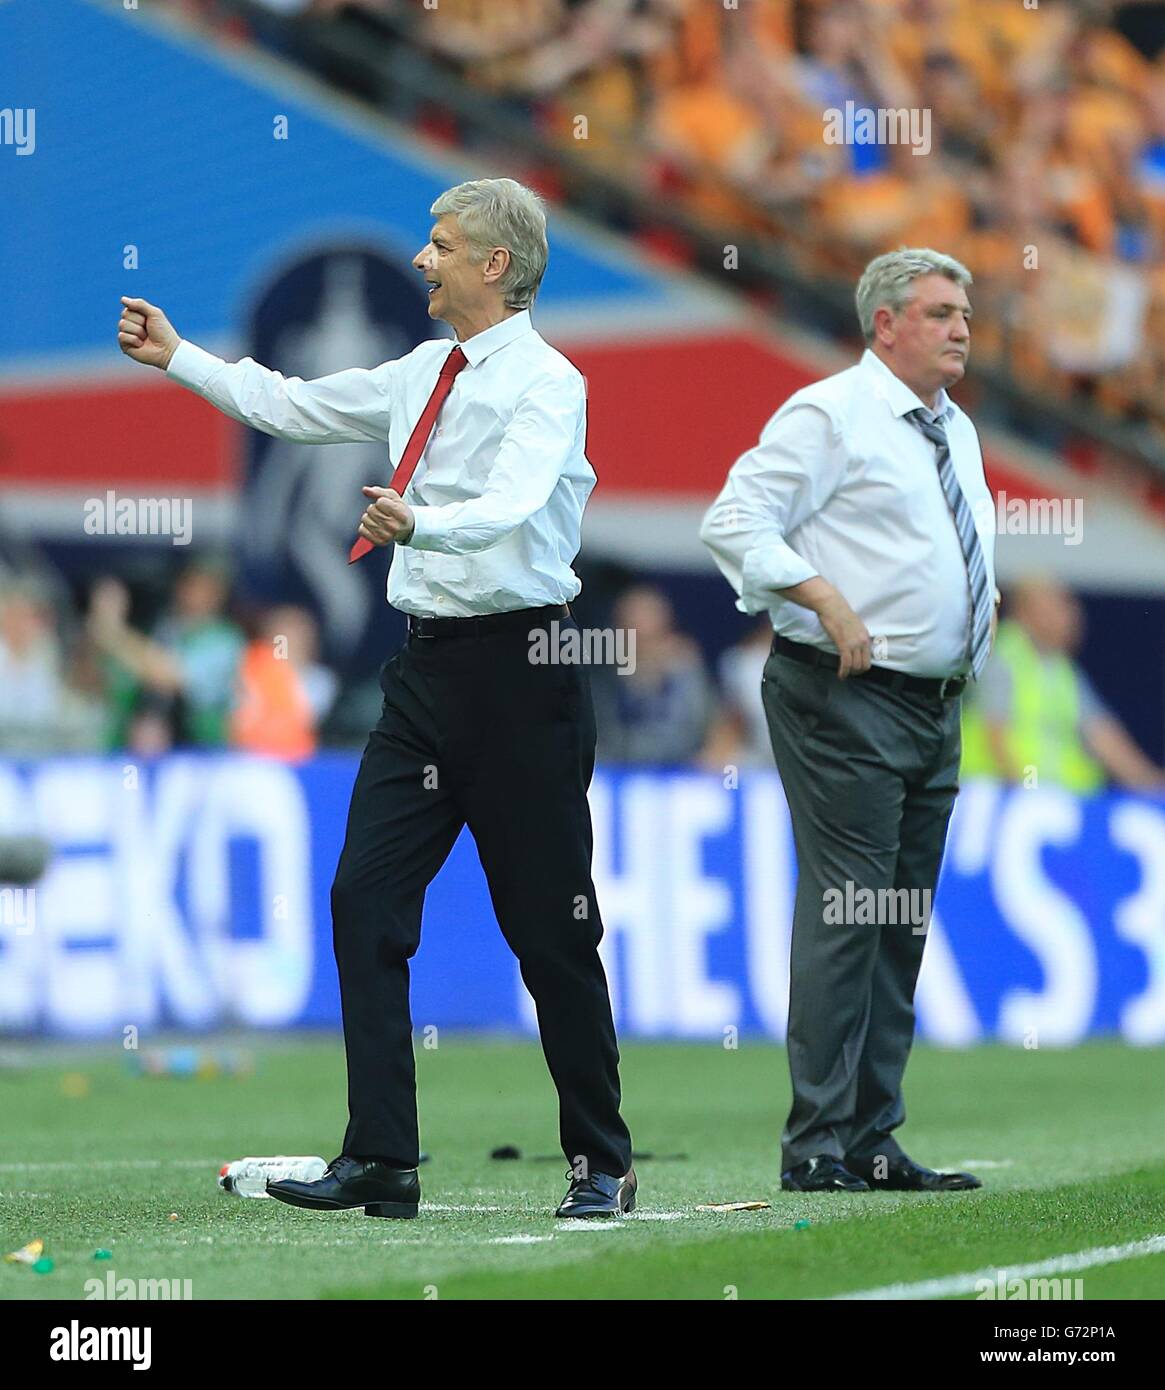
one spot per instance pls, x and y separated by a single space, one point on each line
474 730
863 524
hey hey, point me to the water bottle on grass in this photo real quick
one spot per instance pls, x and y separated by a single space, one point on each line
248 1177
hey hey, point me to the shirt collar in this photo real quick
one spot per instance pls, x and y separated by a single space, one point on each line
897 395
479 347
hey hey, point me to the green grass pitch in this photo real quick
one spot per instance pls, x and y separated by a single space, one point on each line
1070 1144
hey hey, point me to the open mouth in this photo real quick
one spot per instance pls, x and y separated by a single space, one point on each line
434 286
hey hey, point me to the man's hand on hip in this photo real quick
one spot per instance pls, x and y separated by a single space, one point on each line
145 333
387 518
845 629
849 635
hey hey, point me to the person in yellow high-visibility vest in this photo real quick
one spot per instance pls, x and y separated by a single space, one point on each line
1035 717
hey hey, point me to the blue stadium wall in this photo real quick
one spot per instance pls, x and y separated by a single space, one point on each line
193 894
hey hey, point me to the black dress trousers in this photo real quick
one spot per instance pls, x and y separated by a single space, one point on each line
475 733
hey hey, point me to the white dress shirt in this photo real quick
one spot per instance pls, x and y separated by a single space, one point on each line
843 486
500 488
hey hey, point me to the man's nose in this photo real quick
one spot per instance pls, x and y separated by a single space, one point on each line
421 259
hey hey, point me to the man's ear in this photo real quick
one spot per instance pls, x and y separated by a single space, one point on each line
883 320
496 264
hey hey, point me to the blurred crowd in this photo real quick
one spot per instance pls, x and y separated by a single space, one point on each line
194 677
201 676
1034 719
1045 144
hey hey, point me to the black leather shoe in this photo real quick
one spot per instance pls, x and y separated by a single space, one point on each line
355 1182
822 1173
599 1195
904 1175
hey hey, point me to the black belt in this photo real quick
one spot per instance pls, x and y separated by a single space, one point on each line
946 688
487 623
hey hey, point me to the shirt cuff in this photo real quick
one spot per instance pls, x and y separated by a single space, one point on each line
769 568
428 533
192 366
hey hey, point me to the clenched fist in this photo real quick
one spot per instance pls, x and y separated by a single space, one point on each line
145 333
386 518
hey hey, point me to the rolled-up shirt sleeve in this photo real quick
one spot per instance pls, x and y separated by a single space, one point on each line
771 490
346 407
539 441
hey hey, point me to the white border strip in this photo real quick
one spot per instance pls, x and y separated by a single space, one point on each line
57 514
1123 555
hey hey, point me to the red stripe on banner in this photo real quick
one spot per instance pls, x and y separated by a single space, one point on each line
668 416
160 436
1002 478
673 416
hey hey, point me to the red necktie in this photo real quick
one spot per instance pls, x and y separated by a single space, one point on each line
419 438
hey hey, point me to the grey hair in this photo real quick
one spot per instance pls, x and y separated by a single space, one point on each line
500 212
887 281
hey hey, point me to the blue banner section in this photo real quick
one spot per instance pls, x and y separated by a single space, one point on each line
211 173
193 893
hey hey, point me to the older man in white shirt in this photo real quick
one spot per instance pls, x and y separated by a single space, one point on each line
474 731
863 524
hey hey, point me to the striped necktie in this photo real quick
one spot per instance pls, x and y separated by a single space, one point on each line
981 597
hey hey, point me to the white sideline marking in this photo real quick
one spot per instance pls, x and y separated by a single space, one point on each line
438 1206
1056 1264
586 1223
984 1163
309 1242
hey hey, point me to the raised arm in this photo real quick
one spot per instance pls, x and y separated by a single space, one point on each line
345 407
